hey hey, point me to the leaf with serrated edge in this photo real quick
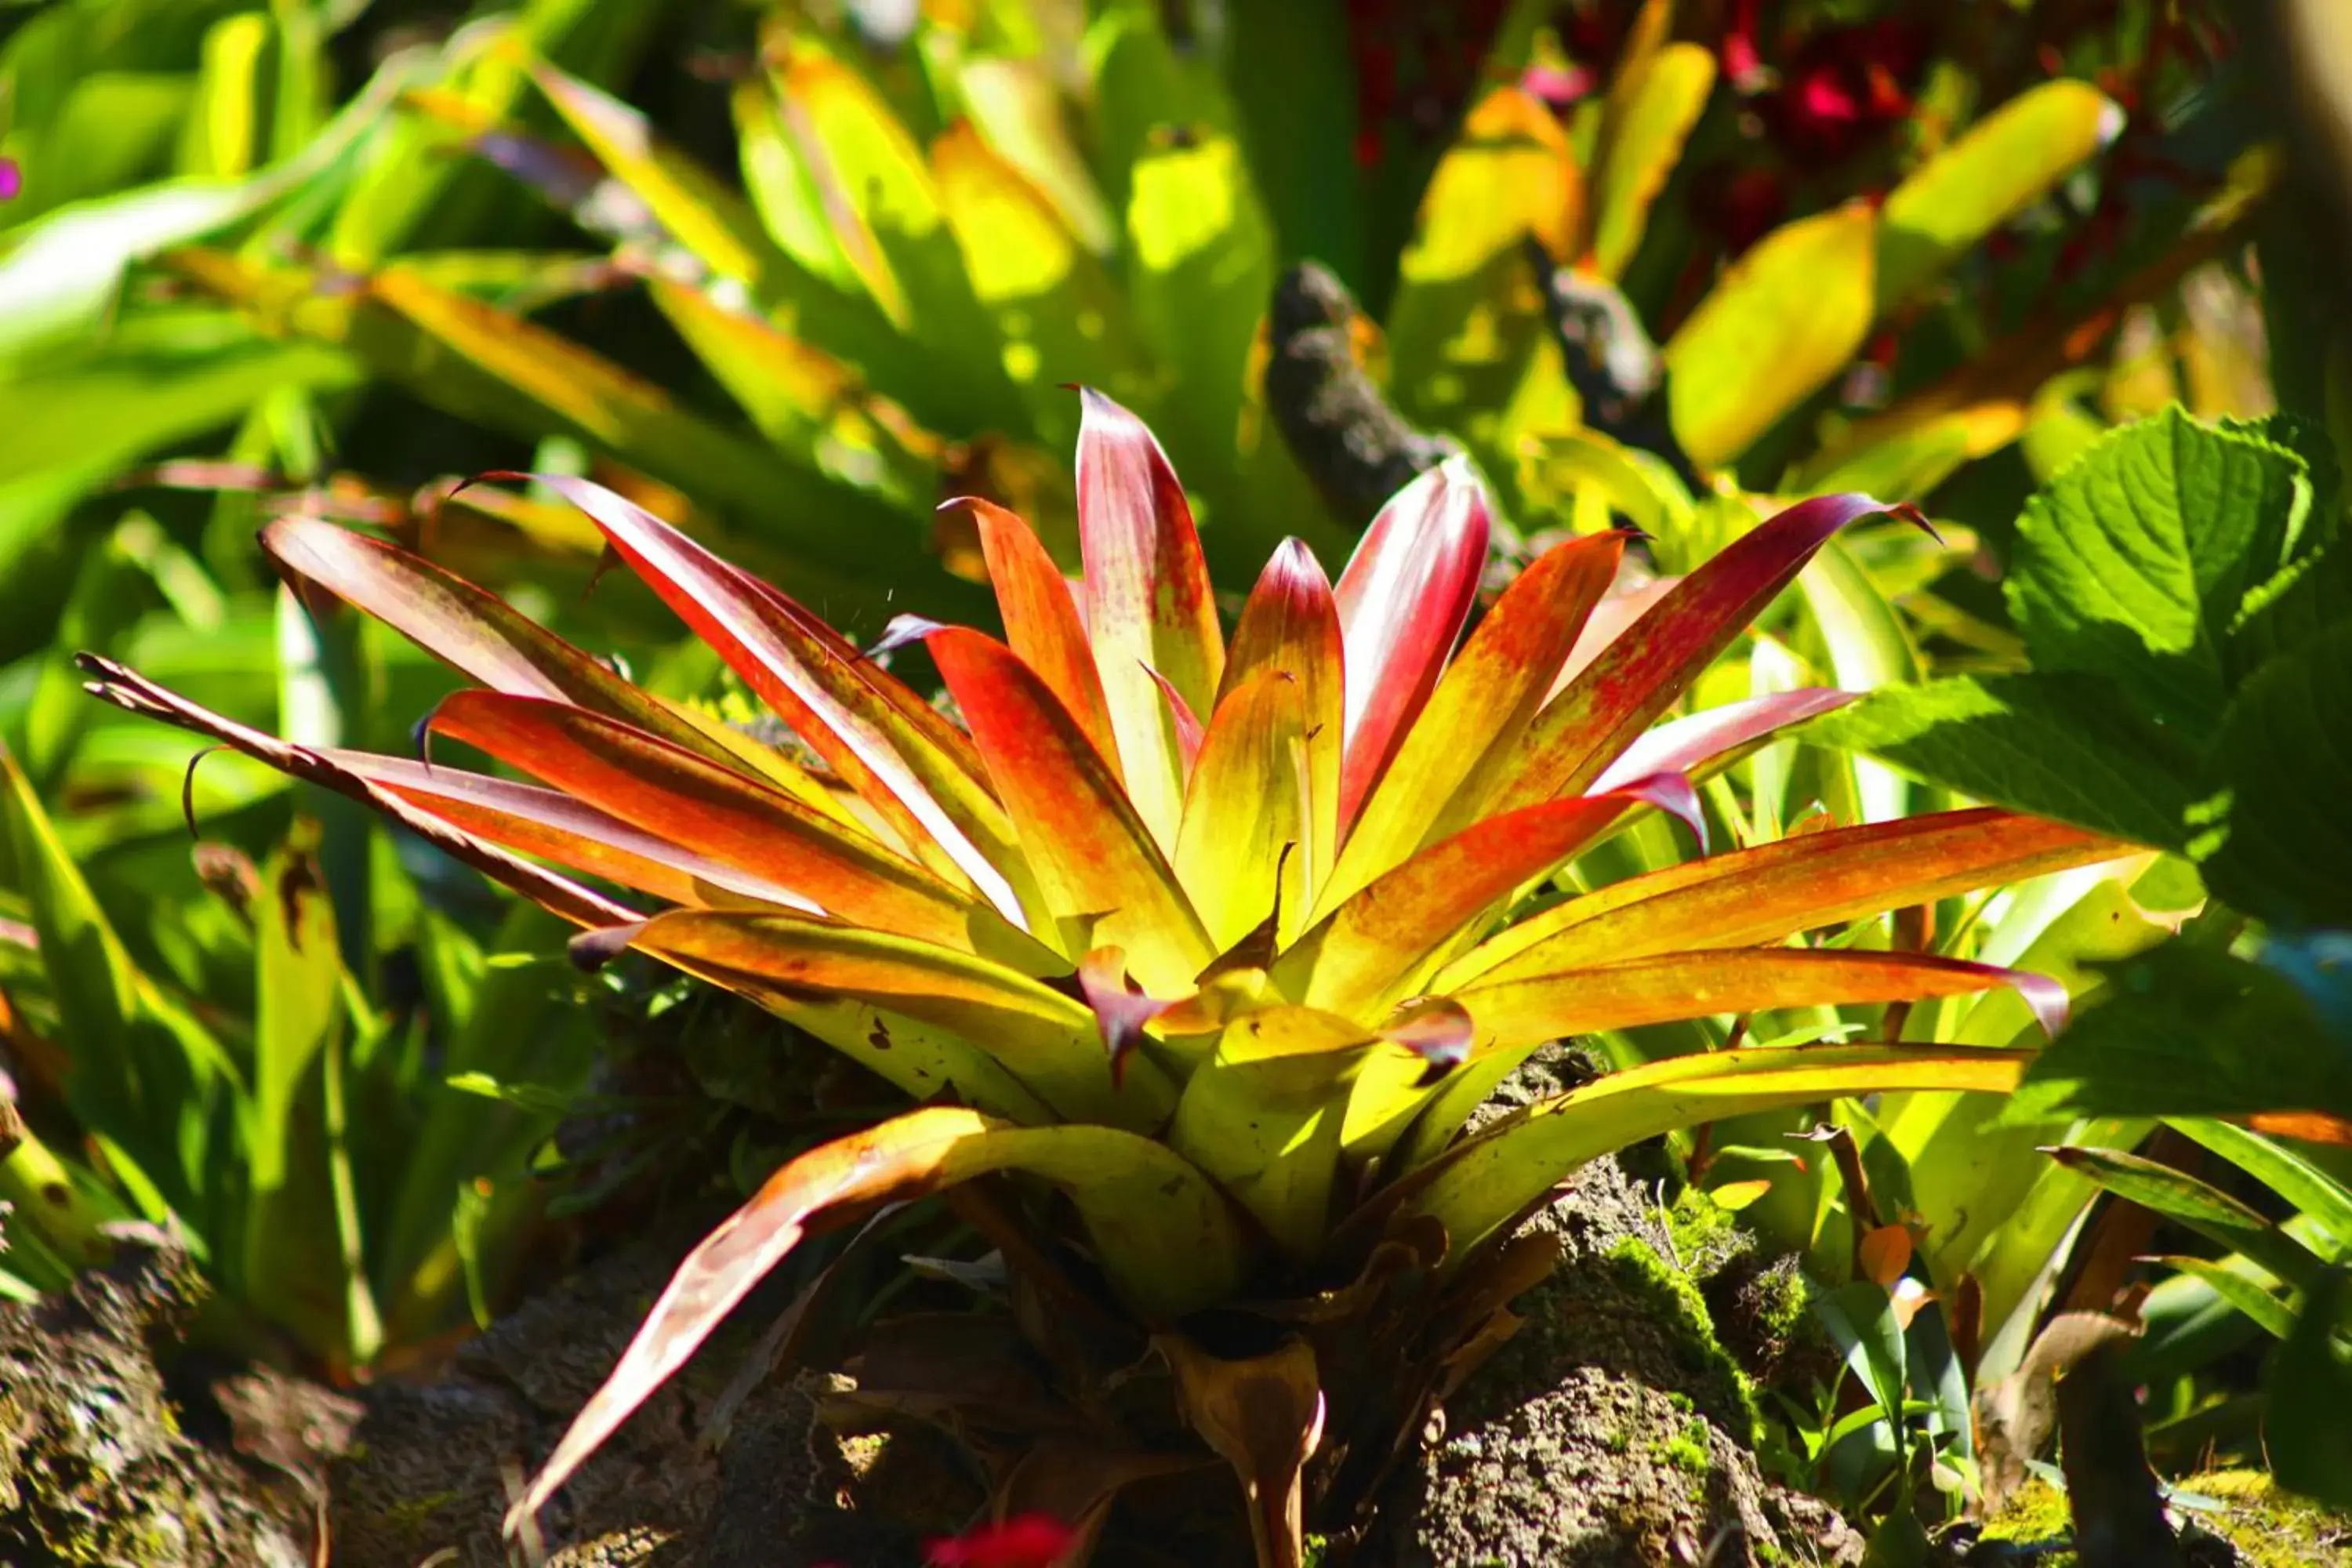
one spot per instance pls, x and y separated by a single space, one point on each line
1167 1238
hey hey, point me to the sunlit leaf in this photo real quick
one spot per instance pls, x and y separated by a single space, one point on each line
1786 318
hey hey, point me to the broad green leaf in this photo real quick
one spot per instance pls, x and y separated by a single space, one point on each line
1016 105
2281 763
2305 1434
2248 1295
709 220
2000 165
884 205
479 362
145 392
807 404
2189 1031
1642 141
57 277
1288 70
1168 1240
1483 1184
2068 746
1062 318
1785 319
2138 558
142 1068
1200 270
302 1260
1140 84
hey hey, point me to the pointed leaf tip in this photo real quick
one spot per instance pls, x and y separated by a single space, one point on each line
1438 1030
1119 1008
901 631
1673 794
591 949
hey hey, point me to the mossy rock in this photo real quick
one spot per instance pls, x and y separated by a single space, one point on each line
1614 1428
95 1467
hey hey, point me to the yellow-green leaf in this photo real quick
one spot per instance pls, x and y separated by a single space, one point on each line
2006 162
1775 328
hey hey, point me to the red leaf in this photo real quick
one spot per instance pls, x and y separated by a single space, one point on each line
1148 605
1041 620
1402 600
906 761
1709 739
1639 676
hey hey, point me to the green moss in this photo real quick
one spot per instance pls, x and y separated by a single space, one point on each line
1688 1450
1780 1298
2035 1514
1706 1235
1692 1327
2270 1529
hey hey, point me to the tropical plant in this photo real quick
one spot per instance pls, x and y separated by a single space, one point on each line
1233 984
342 1202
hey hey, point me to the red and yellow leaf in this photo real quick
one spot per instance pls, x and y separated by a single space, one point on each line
1481 706
1148 605
1640 674
1041 620
1245 810
734 820
1767 893
1291 622
901 758
1402 600
1527 1008
1099 869
1379 944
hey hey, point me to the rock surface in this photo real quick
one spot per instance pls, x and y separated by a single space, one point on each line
1613 1429
95 1467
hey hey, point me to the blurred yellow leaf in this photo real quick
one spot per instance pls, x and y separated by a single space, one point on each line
1642 140
1777 328
2006 162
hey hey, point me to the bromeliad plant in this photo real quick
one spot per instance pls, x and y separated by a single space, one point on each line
1225 939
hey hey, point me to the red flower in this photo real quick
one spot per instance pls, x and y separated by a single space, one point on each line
1030 1540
